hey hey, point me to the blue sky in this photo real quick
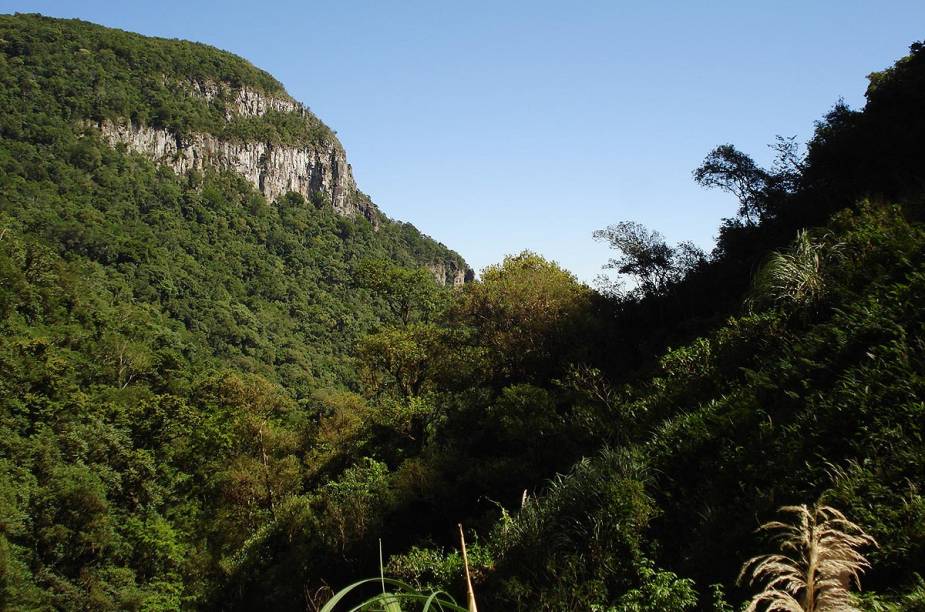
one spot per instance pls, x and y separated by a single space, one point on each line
501 126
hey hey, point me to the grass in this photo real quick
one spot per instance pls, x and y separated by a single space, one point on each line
819 561
403 593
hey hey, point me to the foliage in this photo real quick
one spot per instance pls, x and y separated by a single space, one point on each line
412 295
525 311
757 189
430 568
794 277
581 541
660 590
911 601
349 502
400 358
208 400
392 601
647 257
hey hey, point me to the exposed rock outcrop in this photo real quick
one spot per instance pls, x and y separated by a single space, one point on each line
273 169
312 170
317 170
243 101
448 273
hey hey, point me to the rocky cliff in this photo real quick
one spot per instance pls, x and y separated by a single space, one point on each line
245 101
312 169
449 273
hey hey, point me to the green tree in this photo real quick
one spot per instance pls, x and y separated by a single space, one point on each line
401 359
526 311
411 294
737 173
263 468
355 503
646 256
757 189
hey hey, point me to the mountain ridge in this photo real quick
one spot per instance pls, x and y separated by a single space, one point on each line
190 106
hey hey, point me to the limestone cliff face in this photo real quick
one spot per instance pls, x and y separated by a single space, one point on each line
448 273
310 170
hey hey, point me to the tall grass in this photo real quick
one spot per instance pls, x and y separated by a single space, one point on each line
794 276
818 563
401 596
403 593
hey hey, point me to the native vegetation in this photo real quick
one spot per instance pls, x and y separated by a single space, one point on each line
819 562
212 401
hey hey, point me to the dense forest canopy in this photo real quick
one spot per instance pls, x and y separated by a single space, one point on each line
214 401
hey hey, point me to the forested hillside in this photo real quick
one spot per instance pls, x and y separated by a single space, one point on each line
146 288
215 400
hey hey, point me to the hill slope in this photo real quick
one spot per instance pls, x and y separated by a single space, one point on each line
200 238
786 368
169 216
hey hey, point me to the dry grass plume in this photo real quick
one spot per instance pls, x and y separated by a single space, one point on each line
818 562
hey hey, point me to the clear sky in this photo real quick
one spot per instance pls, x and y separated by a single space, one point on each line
501 126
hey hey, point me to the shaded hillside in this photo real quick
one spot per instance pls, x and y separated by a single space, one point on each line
785 368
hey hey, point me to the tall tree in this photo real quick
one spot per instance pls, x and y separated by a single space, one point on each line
646 256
